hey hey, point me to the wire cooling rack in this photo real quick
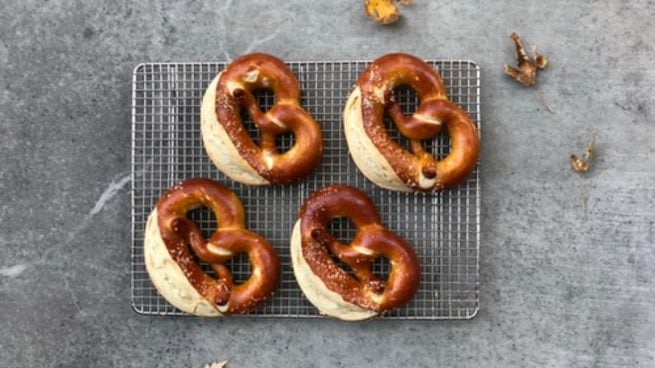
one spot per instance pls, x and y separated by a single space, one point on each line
444 228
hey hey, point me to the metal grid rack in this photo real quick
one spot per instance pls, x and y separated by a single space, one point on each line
444 228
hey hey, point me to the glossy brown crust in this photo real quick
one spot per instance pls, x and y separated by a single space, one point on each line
371 241
180 235
393 70
234 94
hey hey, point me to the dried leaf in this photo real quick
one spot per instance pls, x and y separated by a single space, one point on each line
526 71
384 11
581 165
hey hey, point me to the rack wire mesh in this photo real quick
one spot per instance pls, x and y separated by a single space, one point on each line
444 228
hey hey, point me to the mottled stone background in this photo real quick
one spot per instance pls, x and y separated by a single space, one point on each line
559 288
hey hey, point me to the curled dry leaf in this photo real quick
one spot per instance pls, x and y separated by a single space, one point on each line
384 11
581 165
526 73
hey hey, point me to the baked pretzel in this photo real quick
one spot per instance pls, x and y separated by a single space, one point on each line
173 242
226 140
334 291
384 161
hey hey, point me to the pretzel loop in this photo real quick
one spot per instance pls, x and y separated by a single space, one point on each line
183 239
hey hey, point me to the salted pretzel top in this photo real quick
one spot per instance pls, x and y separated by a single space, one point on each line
372 241
418 169
234 92
181 236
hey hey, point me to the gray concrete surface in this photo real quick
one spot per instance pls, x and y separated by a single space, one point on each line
559 288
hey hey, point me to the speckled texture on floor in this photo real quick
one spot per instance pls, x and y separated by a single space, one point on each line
559 288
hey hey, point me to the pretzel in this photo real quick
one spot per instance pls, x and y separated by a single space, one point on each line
226 140
384 161
334 291
173 242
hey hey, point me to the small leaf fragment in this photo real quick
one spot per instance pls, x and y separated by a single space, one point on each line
581 165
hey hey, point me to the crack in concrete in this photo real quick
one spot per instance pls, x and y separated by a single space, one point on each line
109 193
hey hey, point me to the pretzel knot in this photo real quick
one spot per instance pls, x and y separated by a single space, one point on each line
358 294
226 140
384 161
173 242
